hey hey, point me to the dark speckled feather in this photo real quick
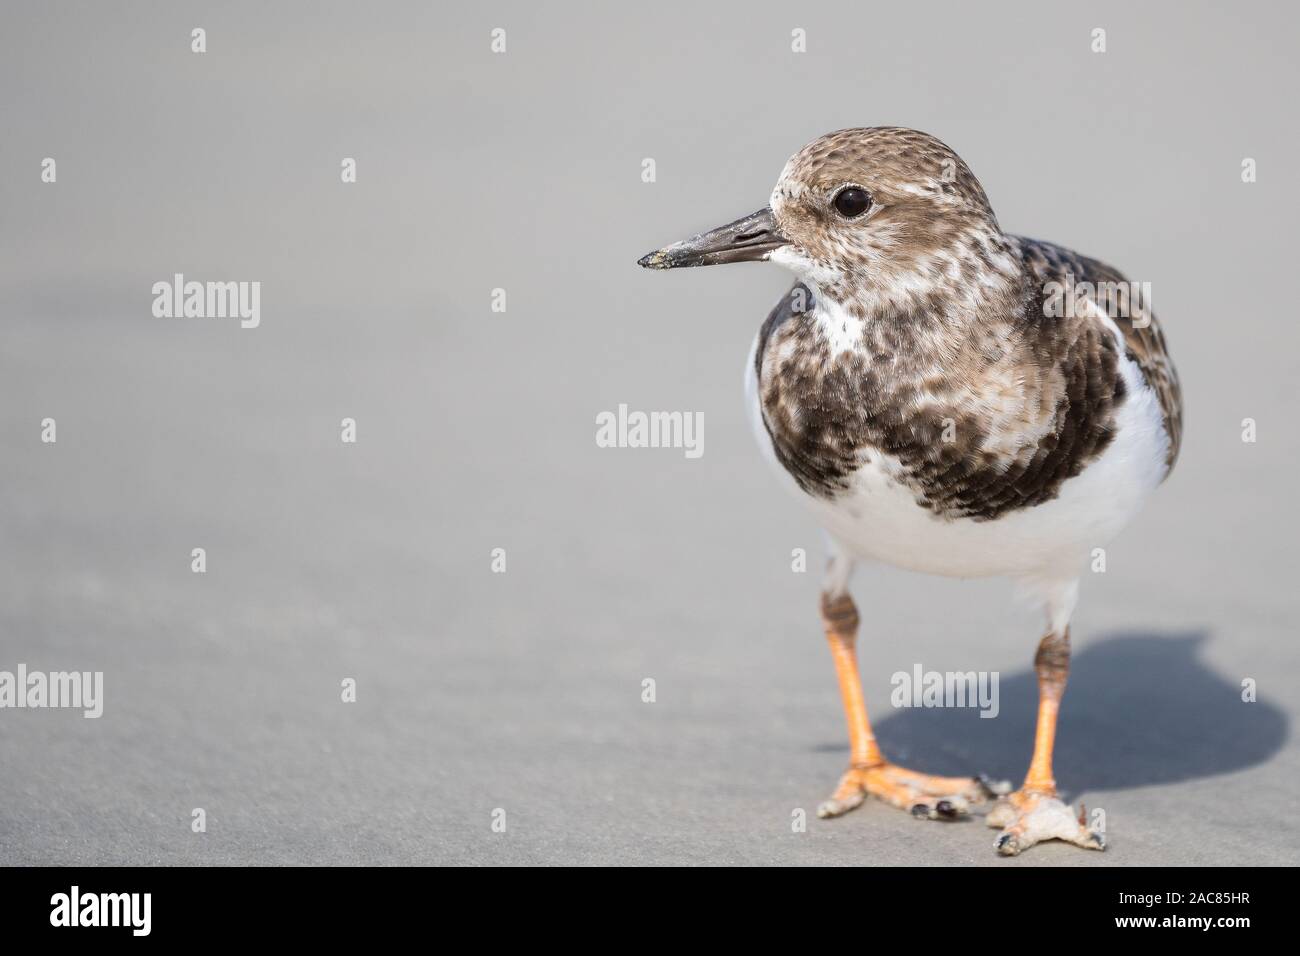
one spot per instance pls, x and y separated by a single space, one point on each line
936 347
1143 339
826 415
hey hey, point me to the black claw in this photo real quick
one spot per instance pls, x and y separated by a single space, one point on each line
946 810
920 811
1006 842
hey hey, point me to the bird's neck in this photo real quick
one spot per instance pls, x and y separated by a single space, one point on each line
938 311
976 279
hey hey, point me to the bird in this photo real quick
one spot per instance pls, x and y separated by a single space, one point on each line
950 399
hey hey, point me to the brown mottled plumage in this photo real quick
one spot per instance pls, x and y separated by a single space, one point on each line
846 406
1145 341
977 355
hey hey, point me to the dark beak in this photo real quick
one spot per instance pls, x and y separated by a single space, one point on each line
746 240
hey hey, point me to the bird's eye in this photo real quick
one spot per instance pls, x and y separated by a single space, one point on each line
851 202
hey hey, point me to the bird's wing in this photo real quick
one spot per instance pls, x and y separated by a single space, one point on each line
1143 339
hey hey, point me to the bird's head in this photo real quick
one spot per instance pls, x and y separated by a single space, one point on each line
878 214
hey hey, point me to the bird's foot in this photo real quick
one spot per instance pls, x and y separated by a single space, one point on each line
1032 816
926 796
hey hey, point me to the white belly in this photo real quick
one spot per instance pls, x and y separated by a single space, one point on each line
878 519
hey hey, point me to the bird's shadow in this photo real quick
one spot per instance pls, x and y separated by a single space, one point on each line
1140 709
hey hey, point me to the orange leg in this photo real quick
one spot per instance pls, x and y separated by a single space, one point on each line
840 618
1034 812
1052 663
869 774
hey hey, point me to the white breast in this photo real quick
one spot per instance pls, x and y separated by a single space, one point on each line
878 518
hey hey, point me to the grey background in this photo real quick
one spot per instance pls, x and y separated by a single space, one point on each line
476 431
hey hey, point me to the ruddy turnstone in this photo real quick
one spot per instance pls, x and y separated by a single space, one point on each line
950 399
